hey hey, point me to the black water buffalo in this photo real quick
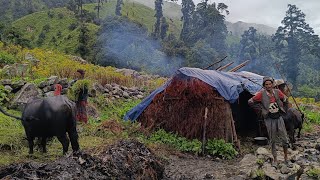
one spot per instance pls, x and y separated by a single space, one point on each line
293 119
48 117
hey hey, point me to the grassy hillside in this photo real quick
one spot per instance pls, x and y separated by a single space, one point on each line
56 28
59 27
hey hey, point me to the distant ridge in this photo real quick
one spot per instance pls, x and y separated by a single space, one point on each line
173 10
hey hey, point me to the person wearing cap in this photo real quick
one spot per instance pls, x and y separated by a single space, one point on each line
272 102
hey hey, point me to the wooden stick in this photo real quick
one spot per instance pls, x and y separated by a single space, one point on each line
224 67
239 66
215 63
204 130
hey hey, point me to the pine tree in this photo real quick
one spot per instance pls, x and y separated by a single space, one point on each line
291 39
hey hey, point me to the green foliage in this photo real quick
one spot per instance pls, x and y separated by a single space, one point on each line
313 117
314 173
309 91
180 143
6 58
4 95
77 88
11 133
260 162
221 148
114 109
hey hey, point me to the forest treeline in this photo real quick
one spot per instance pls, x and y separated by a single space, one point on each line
117 40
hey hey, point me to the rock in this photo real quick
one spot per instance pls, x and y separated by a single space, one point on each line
270 171
139 97
285 170
49 94
248 160
43 84
53 80
128 72
64 82
8 88
108 86
31 58
98 87
6 82
27 92
16 86
125 95
79 59
46 89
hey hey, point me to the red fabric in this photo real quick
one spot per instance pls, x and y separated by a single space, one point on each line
82 111
57 89
258 97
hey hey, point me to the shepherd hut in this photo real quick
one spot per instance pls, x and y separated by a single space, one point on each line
197 103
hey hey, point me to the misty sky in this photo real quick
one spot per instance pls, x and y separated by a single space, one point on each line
270 12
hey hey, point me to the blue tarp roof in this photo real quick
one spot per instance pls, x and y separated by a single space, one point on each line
228 84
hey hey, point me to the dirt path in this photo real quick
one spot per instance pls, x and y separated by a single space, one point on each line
191 167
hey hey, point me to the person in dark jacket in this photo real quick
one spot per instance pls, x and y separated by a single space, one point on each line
273 102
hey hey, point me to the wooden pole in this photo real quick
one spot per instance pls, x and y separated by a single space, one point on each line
204 130
239 66
215 63
224 67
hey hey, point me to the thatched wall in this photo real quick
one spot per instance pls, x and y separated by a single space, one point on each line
180 108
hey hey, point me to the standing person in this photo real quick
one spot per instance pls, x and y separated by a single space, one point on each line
57 89
81 99
272 101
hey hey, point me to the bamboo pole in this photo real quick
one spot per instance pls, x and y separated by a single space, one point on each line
239 66
224 67
215 63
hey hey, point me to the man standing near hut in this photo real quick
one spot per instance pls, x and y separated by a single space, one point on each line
272 101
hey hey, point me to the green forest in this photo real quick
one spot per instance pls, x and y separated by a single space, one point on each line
127 34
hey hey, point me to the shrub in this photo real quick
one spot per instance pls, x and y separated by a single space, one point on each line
180 143
72 26
60 15
4 95
6 58
50 14
46 28
314 173
221 148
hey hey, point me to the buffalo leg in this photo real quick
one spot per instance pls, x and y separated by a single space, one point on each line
73 135
299 132
65 143
30 141
44 144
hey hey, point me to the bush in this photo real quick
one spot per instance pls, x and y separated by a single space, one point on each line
314 173
180 143
221 148
6 58
4 95
72 26
50 14
60 15
46 28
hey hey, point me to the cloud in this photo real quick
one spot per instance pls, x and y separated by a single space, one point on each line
270 12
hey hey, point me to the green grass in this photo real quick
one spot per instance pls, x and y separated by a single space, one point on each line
66 40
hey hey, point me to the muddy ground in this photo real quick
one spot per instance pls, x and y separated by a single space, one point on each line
129 159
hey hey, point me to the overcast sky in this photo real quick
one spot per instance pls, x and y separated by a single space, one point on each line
270 12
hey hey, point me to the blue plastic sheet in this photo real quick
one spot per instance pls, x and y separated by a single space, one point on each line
228 84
